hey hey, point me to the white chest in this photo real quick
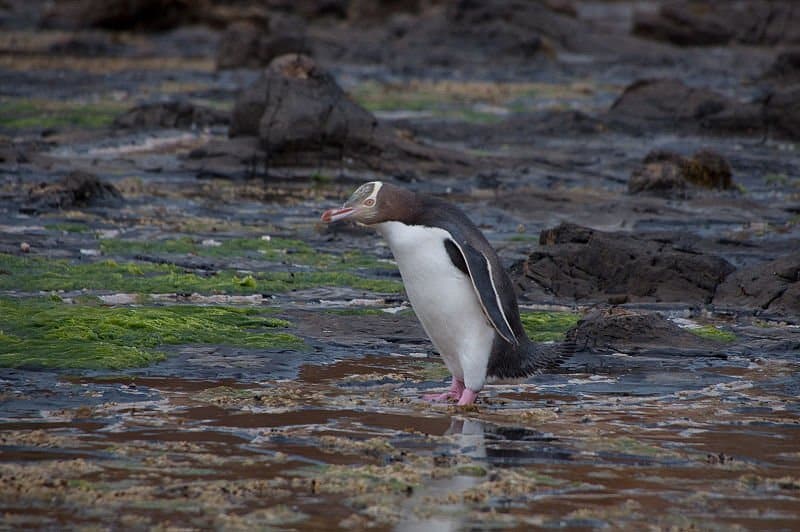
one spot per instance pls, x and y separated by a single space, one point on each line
442 296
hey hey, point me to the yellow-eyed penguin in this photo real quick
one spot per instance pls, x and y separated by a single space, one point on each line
456 285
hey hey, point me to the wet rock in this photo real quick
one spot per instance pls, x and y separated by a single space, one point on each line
251 45
175 114
77 189
627 331
667 173
782 113
702 23
708 169
772 286
91 45
316 9
303 117
583 264
466 34
669 104
786 68
296 103
148 15
666 103
372 11
658 177
238 158
11 152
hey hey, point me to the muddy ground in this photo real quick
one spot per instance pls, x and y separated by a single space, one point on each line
184 345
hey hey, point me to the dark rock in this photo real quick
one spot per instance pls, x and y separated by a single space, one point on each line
709 169
773 286
11 152
782 113
314 9
92 45
663 178
470 34
583 264
786 68
648 105
296 103
704 22
619 329
665 173
303 117
251 45
666 103
372 11
177 114
77 189
148 15
236 159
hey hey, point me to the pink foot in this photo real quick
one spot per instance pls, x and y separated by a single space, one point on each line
455 391
467 397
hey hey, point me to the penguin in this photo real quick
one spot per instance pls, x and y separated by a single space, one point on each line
456 285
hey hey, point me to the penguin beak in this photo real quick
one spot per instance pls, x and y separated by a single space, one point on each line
333 215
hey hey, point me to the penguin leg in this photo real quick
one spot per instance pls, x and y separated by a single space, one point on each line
455 391
467 397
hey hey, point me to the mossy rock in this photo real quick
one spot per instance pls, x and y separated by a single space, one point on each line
42 333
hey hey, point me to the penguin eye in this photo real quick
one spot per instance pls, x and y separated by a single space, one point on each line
369 202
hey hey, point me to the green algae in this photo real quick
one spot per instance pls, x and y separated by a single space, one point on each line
19 113
68 227
548 326
41 333
714 333
431 370
280 250
33 274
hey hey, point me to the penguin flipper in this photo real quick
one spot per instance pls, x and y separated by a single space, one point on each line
479 270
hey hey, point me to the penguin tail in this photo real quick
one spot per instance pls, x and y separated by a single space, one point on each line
544 357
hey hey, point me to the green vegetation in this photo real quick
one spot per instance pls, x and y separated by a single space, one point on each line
776 179
281 250
548 326
713 333
19 113
33 274
524 237
68 227
472 471
42 333
358 312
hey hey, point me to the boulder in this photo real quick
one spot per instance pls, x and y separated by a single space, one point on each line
785 70
302 117
475 36
247 44
296 105
669 104
772 286
175 114
665 103
582 264
77 189
665 173
706 22
377 11
148 15
631 332
782 113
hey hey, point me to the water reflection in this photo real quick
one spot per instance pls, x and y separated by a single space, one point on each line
469 439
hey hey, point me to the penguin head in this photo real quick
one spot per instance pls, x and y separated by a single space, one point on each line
373 203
